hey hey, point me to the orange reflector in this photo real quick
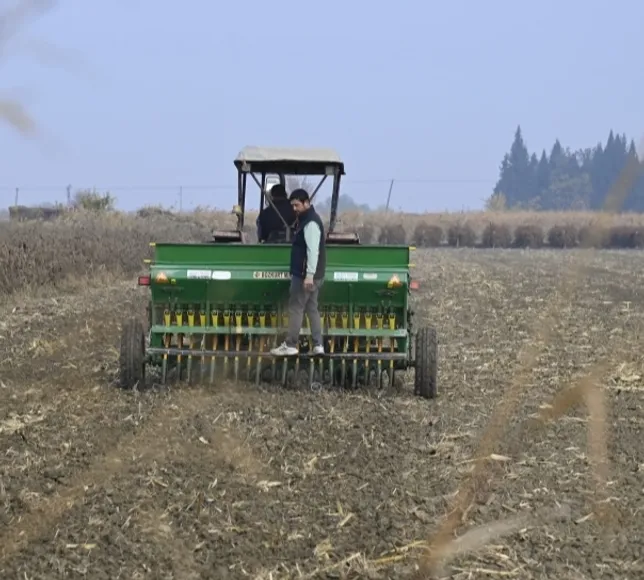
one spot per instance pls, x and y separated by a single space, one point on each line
144 280
414 285
394 282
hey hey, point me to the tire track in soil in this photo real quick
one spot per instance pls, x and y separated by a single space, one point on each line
135 448
593 315
55 390
55 396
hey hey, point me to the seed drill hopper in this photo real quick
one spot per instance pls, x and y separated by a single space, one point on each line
216 308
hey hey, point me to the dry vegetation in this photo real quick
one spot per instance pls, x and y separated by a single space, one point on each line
533 441
37 253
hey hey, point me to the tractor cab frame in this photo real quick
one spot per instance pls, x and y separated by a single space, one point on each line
267 166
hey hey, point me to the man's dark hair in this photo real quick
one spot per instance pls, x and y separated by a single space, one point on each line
278 191
300 195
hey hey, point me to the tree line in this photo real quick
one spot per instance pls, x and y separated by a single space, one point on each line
607 176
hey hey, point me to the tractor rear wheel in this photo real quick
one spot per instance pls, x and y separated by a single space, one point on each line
426 364
132 354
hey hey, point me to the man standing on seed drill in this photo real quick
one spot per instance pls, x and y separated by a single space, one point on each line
308 264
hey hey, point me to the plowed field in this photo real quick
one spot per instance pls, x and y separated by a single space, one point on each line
232 481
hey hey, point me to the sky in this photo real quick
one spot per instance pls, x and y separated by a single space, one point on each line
145 99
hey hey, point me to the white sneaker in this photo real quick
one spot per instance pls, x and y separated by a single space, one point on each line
284 350
317 350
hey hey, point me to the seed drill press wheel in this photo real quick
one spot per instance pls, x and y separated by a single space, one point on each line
132 354
426 365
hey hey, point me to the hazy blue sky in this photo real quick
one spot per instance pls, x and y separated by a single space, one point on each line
143 96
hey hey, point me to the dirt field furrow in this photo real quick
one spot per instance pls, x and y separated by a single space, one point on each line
234 481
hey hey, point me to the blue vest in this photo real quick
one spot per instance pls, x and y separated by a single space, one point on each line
298 250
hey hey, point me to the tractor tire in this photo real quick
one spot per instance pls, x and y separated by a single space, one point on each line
426 363
132 354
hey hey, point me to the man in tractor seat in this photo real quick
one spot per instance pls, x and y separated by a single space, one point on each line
270 227
308 265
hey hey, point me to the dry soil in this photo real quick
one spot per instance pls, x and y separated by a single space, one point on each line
233 481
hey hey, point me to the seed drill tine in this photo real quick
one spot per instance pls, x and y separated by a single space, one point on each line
354 374
213 359
274 318
297 367
238 337
320 359
284 370
179 316
258 366
164 364
321 368
179 357
202 324
285 361
297 361
367 364
167 320
311 371
251 324
214 316
356 348
333 320
191 324
345 349
380 321
262 325
226 341
392 326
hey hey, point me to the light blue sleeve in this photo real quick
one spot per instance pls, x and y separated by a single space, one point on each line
312 236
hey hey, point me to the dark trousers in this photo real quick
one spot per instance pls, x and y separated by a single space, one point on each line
303 302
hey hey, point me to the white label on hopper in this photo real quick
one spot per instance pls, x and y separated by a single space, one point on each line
198 274
345 276
221 275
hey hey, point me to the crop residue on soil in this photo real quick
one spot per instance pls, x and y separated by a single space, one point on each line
239 482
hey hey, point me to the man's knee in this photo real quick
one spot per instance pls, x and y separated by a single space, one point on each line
297 294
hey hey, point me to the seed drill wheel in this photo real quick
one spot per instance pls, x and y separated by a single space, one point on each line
426 366
132 354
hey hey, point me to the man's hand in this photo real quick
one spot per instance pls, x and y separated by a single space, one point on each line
308 283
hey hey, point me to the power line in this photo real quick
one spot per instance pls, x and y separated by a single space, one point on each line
228 187
419 181
190 193
119 187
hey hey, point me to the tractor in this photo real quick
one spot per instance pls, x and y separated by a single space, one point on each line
216 308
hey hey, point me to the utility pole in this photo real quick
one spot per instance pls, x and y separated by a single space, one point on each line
391 186
180 198
69 196
15 201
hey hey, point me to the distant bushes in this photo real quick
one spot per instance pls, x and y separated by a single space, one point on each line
500 235
566 236
461 235
496 236
366 233
594 236
392 234
427 235
528 236
626 237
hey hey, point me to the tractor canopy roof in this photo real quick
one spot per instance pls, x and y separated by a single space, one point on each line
289 161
